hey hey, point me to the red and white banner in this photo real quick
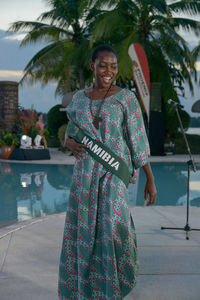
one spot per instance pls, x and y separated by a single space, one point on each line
141 74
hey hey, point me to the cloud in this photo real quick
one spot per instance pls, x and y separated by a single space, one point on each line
12 56
16 36
13 60
11 74
8 35
197 65
41 99
18 10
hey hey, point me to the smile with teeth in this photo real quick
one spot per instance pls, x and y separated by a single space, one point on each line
107 78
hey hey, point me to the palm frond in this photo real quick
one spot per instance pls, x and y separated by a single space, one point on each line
24 25
125 70
46 34
188 7
196 52
103 26
108 4
186 24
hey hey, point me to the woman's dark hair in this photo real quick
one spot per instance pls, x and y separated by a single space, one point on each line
38 115
102 48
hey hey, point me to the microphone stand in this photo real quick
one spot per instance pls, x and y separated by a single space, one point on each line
190 164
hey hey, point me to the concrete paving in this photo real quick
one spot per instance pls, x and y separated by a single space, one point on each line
58 157
169 264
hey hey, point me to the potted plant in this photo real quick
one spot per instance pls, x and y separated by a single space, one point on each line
8 142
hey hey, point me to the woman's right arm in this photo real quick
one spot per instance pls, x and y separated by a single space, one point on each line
75 147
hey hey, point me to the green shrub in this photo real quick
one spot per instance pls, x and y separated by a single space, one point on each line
61 133
193 140
55 118
172 123
7 138
46 134
53 142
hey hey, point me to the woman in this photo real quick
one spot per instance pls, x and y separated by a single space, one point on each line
99 252
40 125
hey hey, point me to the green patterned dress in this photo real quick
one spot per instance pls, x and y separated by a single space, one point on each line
99 251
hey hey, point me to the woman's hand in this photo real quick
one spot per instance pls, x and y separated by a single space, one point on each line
150 188
75 147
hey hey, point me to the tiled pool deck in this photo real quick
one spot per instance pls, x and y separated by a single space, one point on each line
169 264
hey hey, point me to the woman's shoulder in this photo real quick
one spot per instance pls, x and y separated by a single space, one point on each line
75 99
128 100
127 95
79 95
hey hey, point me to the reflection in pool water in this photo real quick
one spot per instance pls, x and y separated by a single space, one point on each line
33 190
171 183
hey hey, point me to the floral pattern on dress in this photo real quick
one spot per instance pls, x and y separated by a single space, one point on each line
99 251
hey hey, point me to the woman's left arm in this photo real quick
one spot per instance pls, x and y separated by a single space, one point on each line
138 144
150 188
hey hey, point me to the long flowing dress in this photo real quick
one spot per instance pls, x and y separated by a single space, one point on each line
99 251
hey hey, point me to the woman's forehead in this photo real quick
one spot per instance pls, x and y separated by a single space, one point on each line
107 56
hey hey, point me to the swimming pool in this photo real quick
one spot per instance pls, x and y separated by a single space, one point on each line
33 190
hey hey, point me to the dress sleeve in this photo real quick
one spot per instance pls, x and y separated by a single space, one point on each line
135 133
71 112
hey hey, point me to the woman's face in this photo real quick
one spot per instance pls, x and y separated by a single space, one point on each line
105 69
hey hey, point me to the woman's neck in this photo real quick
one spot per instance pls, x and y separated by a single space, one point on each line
101 89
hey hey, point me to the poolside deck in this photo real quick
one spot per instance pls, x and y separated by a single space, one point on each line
58 157
169 264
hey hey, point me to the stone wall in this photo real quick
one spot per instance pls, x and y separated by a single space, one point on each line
8 104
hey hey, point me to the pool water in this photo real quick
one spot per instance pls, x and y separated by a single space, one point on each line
171 184
32 190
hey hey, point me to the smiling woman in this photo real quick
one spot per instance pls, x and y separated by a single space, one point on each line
99 252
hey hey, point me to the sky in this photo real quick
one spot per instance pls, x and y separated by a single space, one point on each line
13 59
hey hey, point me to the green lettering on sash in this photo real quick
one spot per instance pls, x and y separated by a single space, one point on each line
106 157
96 149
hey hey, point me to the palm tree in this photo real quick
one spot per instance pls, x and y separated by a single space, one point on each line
154 24
66 29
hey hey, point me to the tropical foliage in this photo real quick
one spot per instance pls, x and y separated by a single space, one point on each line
71 28
55 119
7 138
26 120
154 24
61 134
66 30
68 27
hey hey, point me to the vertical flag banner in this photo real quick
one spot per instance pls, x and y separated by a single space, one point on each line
141 74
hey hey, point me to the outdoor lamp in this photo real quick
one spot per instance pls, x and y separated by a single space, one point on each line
37 141
25 142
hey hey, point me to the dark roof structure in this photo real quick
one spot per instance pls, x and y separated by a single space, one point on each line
196 107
